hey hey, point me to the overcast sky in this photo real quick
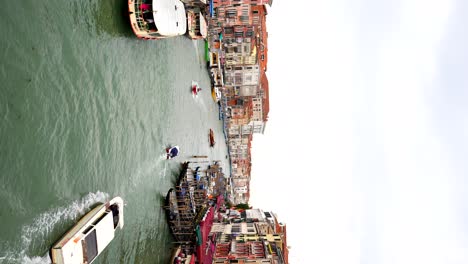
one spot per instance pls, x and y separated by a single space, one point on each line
365 154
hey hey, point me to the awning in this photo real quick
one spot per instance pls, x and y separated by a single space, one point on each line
211 8
199 235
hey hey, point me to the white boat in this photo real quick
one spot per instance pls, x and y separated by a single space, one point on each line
157 19
215 93
91 235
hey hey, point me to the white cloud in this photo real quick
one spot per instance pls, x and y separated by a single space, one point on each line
371 171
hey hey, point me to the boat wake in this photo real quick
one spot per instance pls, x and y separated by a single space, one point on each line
37 235
145 170
163 156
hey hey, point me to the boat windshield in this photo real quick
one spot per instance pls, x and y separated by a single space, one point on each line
115 214
90 247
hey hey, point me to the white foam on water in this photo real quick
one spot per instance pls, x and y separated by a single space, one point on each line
163 156
162 174
36 260
145 170
26 260
43 225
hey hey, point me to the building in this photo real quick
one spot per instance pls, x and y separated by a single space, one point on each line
248 236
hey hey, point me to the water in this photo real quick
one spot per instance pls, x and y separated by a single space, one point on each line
86 111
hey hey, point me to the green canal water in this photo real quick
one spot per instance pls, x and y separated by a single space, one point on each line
86 112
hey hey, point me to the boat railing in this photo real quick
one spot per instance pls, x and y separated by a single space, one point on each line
142 24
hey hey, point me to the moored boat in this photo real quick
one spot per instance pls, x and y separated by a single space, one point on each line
91 235
211 138
196 24
215 93
157 19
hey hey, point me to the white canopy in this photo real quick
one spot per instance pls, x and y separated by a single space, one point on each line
170 17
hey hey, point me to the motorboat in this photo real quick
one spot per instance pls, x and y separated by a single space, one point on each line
195 88
91 235
172 152
211 138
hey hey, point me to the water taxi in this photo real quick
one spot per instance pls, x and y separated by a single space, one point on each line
157 19
91 235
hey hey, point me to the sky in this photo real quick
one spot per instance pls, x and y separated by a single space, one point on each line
364 156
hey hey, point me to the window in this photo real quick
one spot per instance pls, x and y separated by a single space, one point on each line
235 229
90 246
231 13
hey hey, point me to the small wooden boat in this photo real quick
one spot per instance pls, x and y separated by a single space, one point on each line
211 138
172 152
91 235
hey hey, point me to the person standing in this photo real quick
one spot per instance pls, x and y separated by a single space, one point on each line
145 7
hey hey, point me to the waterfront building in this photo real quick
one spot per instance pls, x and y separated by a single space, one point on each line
231 15
248 236
259 19
260 107
240 52
239 29
241 75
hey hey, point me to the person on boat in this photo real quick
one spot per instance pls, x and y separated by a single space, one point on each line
145 7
